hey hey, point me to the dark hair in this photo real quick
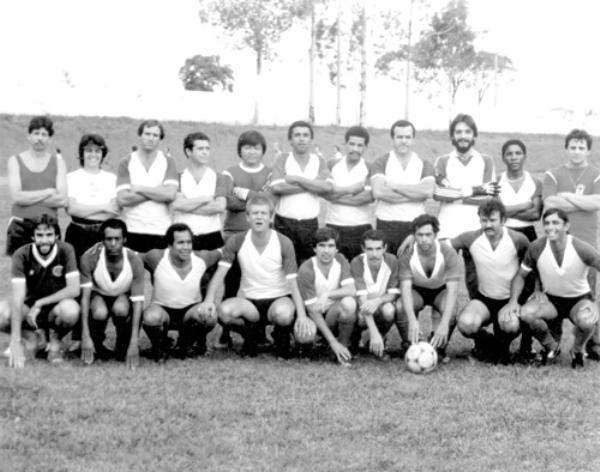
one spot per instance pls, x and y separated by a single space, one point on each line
579 134
467 120
251 138
373 235
514 142
47 220
402 124
424 220
176 228
39 122
151 124
490 207
190 139
358 132
300 124
556 211
114 223
94 139
325 234
260 198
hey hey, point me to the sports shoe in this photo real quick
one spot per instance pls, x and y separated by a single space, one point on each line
443 356
593 351
549 356
55 355
577 360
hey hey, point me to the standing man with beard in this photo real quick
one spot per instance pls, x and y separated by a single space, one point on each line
348 210
146 185
401 182
464 178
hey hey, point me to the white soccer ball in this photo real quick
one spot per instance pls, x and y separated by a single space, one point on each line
421 358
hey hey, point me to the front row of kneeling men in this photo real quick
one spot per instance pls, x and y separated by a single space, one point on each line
327 294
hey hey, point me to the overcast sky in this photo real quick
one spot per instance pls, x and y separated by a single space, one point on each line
115 57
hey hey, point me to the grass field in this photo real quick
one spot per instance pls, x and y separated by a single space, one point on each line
222 413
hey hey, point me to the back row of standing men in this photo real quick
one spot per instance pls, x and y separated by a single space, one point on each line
149 194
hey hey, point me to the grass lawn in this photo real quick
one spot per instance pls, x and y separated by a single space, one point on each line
224 413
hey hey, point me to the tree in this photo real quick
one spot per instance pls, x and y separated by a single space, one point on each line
488 67
445 54
256 24
205 73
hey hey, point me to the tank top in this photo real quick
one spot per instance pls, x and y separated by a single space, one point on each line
36 181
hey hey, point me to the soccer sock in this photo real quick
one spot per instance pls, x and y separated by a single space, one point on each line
541 332
98 331
581 337
123 327
156 335
345 331
526 339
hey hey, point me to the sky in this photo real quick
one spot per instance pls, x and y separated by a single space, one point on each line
116 57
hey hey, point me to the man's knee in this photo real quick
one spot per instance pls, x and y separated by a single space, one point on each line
468 323
529 313
388 313
586 317
282 314
348 306
120 308
153 316
67 312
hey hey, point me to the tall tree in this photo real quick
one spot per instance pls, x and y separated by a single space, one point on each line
445 54
257 24
205 73
488 68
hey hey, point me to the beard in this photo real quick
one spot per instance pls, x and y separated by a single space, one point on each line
463 147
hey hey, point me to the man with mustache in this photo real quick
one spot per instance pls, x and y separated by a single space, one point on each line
45 283
348 210
465 179
496 252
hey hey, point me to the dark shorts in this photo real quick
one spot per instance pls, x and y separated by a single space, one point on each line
18 233
142 242
429 294
208 241
350 239
263 305
493 305
301 233
82 234
109 300
395 232
176 315
564 305
42 320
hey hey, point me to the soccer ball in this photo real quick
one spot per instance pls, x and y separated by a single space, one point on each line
421 358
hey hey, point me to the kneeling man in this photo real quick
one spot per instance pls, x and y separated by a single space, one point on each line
375 273
112 286
268 289
176 298
429 275
328 290
563 263
45 283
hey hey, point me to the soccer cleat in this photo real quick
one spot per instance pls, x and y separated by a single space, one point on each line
55 356
593 352
549 356
577 360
